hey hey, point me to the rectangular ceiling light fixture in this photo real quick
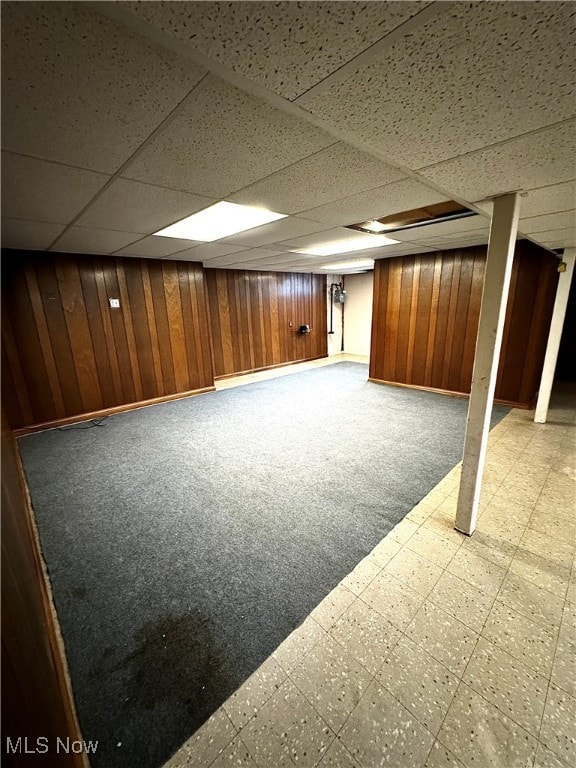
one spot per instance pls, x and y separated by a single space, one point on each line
358 264
417 217
219 220
347 246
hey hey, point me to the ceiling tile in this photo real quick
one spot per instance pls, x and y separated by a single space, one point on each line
275 232
208 251
287 47
254 267
279 261
444 229
557 244
537 202
130 206
224 140
245 256
36 190
88 240
401 249
318 179
156 247
375 203
327 236
534 160
473 75
562 220
565 237
29 234
459 241
465 242
79 89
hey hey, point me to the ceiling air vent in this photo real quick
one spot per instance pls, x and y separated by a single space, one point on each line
418 217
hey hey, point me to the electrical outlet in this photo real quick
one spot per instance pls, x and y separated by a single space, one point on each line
114 303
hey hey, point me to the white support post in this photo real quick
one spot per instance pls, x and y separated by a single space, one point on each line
554 337
488 342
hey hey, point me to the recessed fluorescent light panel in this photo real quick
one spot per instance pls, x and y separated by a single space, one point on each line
359 264
220 220
347 246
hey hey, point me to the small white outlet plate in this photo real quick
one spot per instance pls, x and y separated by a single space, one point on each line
114 303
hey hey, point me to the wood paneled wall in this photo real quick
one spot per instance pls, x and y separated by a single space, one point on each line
36 700
425 320
251 314
67 352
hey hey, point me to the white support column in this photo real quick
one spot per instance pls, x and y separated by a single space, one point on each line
554 337
488 342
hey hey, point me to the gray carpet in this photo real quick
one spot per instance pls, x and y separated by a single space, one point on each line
185 541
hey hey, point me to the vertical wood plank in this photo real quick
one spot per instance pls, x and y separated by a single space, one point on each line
472 319
138 325
403 322
202 322
108 331
63 356
79 333
176 330
547 281
225 322
413 315
518 327
423 319
192 343
263 342
391 321
451 322
443 308
95 319
274 328
162 327
379 317
11 364
152 330
127 315
45 342
434 302
120 339
507 327
267 311
460 323
216 331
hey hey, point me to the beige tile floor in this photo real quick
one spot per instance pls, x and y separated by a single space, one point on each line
438 649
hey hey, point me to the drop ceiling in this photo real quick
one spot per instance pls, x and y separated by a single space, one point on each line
119 119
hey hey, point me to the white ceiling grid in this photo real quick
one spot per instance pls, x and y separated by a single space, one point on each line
287 47
473 75
332 112
80 90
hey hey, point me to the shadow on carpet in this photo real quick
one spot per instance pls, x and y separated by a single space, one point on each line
185 541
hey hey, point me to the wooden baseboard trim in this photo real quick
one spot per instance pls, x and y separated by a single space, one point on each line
108 411
513 404
267 368
450 393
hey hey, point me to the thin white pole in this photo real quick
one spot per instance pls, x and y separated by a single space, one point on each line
488 342
554 337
